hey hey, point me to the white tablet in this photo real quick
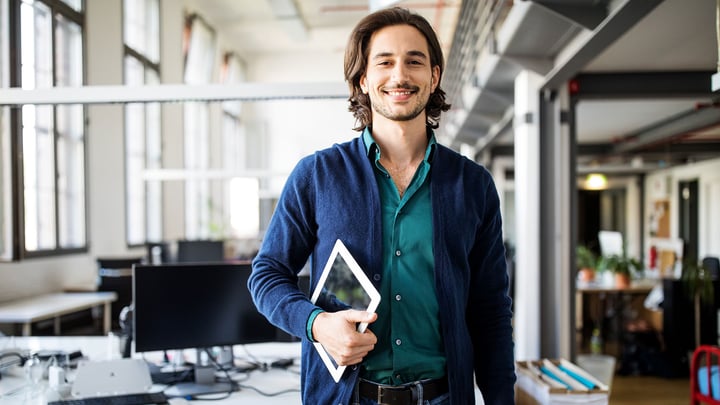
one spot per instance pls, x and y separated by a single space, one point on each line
343 285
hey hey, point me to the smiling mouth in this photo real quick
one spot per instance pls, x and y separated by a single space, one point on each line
399 92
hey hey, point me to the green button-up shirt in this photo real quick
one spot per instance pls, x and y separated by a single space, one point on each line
410 346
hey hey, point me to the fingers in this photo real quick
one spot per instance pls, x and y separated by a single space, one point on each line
338 335
353 315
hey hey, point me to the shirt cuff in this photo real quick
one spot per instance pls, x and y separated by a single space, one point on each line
311 319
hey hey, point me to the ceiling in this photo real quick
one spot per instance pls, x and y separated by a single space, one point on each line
631 122
270 26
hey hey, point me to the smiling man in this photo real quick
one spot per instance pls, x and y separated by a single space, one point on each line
423 223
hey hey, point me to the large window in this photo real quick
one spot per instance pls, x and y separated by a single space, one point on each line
52 137
143 145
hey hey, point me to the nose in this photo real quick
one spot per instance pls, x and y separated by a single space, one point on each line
399 73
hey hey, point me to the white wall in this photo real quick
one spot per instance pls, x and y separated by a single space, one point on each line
707 173
295 128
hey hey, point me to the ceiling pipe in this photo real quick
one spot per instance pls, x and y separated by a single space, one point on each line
704 115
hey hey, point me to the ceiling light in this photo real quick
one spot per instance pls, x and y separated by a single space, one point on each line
596 181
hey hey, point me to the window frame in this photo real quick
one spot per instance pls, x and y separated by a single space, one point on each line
20 250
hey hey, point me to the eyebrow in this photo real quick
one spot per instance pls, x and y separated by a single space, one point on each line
419 54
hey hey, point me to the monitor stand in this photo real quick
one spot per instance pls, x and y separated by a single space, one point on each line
204 381
191 389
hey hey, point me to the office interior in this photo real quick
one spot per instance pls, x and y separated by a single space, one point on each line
228 95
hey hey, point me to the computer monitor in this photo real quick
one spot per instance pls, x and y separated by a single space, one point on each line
195 305
200 251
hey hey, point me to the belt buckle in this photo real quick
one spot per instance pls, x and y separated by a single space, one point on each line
413 392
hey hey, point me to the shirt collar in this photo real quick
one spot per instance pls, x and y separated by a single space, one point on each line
373 149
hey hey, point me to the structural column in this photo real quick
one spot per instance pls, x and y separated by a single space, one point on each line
557 230
527 214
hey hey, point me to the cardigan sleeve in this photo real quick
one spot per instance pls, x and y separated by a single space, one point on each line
490 321
286 247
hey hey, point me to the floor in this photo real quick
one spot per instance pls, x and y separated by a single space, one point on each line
649 390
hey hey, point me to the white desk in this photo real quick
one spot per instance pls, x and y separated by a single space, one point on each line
28 310
14 388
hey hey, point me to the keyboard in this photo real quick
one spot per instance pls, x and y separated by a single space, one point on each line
124 399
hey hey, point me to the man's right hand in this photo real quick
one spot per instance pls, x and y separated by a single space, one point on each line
337 332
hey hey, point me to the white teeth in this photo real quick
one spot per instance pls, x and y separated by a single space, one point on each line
399 93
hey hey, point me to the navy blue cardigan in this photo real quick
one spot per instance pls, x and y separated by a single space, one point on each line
333 194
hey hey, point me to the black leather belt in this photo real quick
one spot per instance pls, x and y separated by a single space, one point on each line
403 394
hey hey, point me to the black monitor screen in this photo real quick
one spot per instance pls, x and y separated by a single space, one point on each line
179 306
200 250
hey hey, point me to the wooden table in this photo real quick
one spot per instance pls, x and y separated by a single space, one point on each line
52 306
598 306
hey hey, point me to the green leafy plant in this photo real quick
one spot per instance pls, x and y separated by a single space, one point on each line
622 264
585 258
698 284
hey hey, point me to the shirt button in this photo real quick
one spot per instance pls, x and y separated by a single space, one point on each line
398 253
376 277
398 297
398 342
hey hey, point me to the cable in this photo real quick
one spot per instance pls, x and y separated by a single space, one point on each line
269 394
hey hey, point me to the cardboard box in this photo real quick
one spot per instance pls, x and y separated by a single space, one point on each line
536 388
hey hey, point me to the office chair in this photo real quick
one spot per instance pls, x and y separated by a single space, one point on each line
712 266
704 377
115 274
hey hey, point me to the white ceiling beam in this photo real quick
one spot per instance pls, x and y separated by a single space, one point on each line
173 93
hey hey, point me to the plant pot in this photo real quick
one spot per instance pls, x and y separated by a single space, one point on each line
622 280
586 275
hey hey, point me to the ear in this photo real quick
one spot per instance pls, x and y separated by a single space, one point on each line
435 78
363 85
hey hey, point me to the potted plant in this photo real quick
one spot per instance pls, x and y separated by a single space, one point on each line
698 283
586 263
623 267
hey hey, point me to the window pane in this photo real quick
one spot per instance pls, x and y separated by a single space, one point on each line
71 176
244 202
74 4
197 192
70 147
142 27
68 51
36 42
143 150
134 166
38 141
39 177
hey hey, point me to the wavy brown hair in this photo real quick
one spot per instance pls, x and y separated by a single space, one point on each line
356 57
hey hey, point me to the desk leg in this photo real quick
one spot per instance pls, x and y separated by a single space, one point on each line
106 318
26 328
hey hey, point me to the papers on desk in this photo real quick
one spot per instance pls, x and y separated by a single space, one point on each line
558 382
343 285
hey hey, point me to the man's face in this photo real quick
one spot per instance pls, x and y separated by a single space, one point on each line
399 77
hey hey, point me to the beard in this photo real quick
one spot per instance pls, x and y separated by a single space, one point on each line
407 113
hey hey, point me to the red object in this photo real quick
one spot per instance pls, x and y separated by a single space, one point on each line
653 257
573 86
704 356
